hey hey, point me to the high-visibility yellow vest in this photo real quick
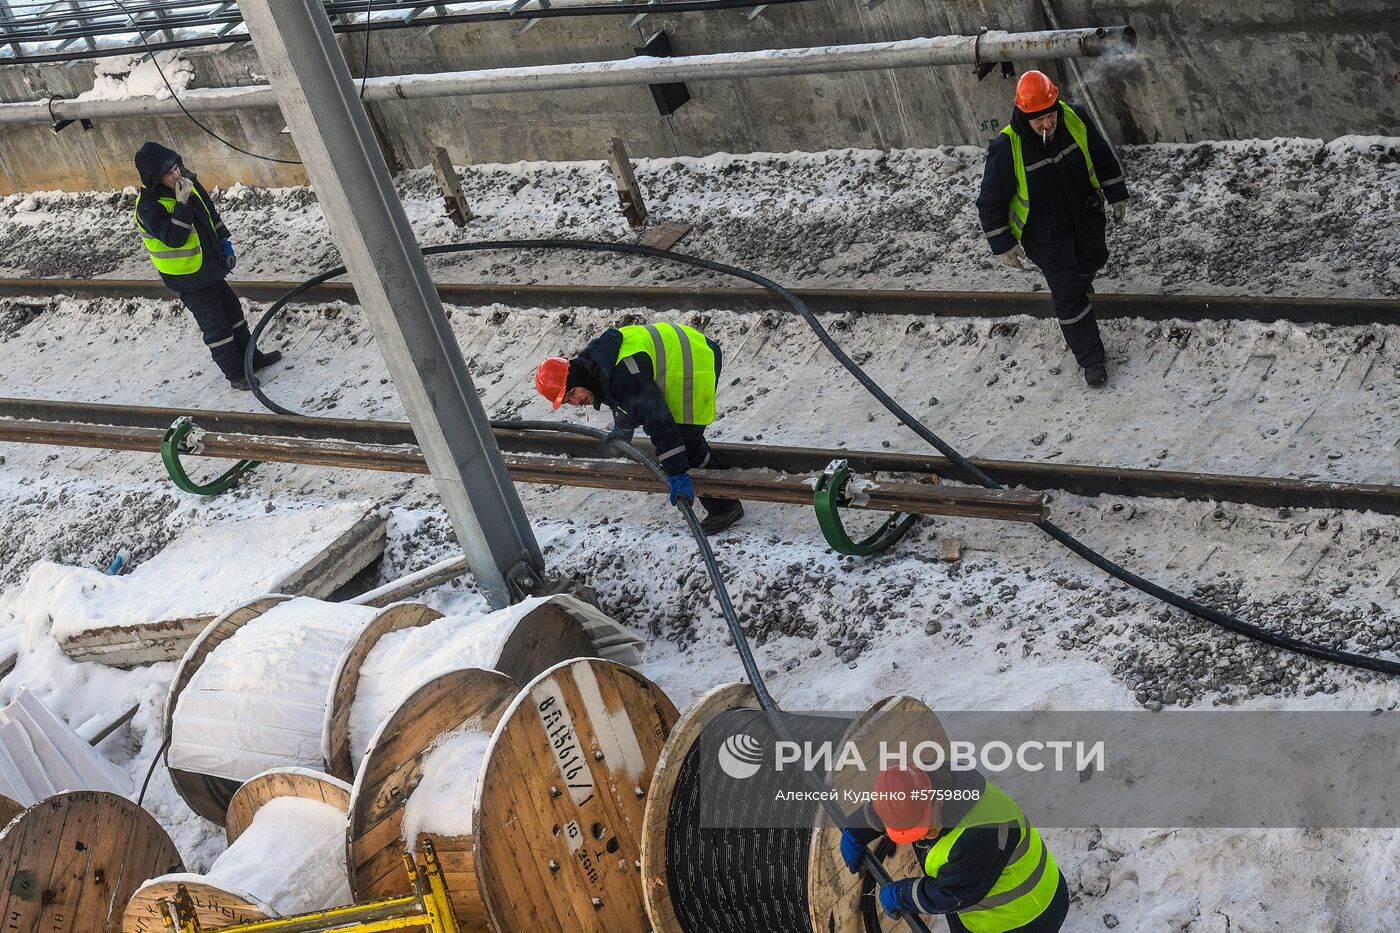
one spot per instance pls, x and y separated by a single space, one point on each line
185 259
1027 883
682 364
1021 199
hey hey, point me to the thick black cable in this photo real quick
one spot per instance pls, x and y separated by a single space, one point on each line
770 708
1113 569
152 770
176 97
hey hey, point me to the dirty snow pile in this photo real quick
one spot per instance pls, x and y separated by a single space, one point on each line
1285 216
1015 624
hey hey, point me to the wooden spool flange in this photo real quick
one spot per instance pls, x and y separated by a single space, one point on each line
833 893
207 795
557 809
335 735
220 905
660 909
393 767
565 785
69 863
539 640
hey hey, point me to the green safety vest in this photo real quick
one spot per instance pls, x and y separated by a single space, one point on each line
1021 200
682 364
185 259
1027 883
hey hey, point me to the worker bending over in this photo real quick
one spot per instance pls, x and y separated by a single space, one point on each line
985 865
1048 174
661 377
190 248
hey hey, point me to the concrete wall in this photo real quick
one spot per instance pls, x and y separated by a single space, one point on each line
1205 70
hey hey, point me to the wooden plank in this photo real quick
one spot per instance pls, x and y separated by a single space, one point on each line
457 208
347 553
665 235
629 193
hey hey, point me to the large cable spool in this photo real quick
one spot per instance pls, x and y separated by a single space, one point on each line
69 863
520 641
285 855
779 880
254 691
541 790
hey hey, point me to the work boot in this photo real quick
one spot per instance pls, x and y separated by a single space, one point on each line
240 385
1096 375
263 360
716 522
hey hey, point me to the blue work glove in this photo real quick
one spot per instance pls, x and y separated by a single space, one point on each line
681 488
852 851
229 255
898 896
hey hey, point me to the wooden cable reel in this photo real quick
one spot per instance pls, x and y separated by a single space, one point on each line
541 637
70 862
821 896
223 897
555 804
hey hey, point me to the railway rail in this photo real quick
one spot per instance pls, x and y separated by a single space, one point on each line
1342 311
32 420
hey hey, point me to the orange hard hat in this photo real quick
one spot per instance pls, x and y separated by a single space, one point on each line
1036 92
903 802
552 378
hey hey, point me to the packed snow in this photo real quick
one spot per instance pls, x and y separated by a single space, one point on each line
444 800
291 879
1014 625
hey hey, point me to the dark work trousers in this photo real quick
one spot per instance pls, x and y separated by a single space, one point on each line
698 454
220 317
1048 922
1069 263
701 457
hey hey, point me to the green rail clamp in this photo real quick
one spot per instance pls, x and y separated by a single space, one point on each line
831 494
177 441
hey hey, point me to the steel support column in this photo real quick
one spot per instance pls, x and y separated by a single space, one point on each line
319 100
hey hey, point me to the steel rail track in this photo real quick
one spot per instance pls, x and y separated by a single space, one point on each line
753 485
1079 479
1341 311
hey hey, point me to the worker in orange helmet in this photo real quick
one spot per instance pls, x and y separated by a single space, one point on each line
1048 174
985 866
660 377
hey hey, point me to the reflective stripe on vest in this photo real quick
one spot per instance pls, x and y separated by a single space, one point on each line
185 259
1026 885
1021 199
682 365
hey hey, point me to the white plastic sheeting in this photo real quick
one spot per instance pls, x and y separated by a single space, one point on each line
40 755
403 661
259 700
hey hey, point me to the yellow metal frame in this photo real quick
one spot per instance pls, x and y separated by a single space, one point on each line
428 908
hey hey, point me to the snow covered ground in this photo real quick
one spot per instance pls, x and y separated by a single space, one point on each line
1015 625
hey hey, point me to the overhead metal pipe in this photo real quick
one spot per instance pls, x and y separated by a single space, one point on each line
992 46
